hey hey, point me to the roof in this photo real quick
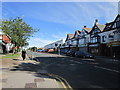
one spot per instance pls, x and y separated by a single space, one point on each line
101 26
110 24
77 32
69 36
87 30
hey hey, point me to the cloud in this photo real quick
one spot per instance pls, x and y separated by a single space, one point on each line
60 0
75 14
39 42
60 35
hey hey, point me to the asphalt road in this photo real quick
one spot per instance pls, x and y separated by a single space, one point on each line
80 73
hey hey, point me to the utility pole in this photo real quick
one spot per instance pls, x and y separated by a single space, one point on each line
59 49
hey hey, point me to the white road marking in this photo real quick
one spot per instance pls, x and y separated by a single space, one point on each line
76 61
107 69
72 64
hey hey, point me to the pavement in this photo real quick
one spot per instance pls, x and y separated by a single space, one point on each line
25 79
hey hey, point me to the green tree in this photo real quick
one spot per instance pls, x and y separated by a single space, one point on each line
18 30
33 48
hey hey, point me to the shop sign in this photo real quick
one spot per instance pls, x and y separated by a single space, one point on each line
114 44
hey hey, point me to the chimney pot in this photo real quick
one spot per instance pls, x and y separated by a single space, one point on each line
96 21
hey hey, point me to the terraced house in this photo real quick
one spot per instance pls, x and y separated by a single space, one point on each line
75 40
111 38
68 41
94 46
101 39
84 39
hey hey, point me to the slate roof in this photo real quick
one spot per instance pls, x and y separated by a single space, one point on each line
69 36
110 24
87 30
77 32
101 27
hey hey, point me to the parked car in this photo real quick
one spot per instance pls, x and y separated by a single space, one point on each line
50 50
45 50
84 54
65 51
70 53
39 50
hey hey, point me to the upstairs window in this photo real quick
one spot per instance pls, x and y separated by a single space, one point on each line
111 35
96 30
103 38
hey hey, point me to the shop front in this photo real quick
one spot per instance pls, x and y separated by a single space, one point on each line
83 47
94 48
114 49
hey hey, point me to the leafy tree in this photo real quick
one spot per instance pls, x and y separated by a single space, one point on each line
33 48
18 30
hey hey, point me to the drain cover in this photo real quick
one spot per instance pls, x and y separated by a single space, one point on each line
30 85
39 80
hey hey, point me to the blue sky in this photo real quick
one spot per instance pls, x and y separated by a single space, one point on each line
56 19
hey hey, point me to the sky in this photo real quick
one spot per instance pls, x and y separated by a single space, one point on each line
57 19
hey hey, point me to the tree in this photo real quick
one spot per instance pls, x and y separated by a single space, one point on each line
18 30
33 48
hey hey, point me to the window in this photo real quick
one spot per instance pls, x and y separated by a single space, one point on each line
111 35
96 30
103 38
95 39
118 24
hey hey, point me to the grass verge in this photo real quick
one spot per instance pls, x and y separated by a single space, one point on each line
11 55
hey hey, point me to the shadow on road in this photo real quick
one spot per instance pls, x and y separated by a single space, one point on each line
78 75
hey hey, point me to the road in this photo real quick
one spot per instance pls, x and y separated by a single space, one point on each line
79 73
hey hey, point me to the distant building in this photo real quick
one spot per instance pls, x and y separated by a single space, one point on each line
55 44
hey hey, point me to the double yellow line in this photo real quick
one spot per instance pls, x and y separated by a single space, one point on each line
64 83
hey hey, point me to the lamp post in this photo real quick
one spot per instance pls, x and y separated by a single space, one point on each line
59 49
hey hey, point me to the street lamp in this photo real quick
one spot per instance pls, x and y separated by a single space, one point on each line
59 49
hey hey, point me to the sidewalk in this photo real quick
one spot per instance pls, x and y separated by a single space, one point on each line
25 79
106 59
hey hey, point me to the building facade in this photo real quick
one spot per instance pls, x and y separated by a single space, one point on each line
84 39
4 43
111 37
95 46
54 45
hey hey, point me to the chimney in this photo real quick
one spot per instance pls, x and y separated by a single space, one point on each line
84 26
96 21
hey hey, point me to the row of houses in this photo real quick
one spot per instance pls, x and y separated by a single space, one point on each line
99 40
4 43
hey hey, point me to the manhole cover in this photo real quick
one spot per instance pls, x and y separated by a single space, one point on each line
39 79
31 85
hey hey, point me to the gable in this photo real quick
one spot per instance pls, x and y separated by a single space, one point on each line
84 32
116 23
95 29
